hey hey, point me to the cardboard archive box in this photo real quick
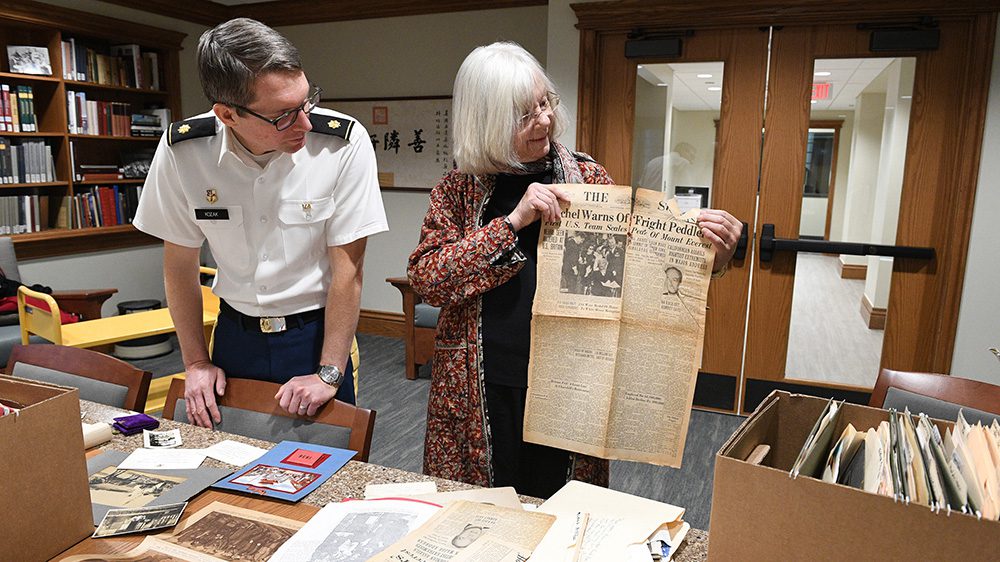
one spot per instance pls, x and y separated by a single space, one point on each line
760 513
44 492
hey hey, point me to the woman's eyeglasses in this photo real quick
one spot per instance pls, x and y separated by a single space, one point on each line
549 103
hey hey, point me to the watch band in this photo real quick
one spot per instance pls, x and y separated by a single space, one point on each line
331 375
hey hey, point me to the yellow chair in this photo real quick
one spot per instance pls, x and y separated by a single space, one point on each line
45 321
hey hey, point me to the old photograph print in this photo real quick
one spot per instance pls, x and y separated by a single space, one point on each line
276 478
129 488
230 537
593 264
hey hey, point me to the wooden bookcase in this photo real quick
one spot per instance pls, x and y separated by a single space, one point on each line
44 25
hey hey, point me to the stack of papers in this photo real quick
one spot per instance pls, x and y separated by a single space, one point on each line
597 524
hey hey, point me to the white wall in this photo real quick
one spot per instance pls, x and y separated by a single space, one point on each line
137 273
869 110
979 315
406 56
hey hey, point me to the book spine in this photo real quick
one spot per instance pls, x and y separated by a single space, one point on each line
5 107
15 119
32 116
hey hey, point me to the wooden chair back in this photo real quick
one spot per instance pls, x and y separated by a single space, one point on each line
258 396
965 392
87 364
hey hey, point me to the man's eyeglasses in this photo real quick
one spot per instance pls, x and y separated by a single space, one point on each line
287 119
549 103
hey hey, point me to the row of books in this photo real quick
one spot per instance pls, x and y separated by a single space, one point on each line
119 65
22 213
150 122
91 117
26 161
18 106
100 206
910 459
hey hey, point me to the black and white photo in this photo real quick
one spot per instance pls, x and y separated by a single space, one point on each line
139 520
25 59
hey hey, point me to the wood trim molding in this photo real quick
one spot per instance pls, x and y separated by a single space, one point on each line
624 15
297 12
874 317
853 271
74 21
379 323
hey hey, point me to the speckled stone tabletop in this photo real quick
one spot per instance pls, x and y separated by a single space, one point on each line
348 482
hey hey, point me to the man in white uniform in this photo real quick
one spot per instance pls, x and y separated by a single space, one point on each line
286 194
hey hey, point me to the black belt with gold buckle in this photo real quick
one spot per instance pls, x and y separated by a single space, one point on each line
269 324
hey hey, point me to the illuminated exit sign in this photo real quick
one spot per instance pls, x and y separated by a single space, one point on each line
821 91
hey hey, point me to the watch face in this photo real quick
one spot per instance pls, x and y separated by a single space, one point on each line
331 375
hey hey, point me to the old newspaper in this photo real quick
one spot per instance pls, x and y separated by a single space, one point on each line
617 326
469 531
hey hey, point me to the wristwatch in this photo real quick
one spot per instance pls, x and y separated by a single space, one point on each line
331 375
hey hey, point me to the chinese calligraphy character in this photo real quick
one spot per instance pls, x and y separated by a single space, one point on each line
374 141
391 141
418 143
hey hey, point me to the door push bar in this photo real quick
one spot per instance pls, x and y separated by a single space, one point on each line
769 244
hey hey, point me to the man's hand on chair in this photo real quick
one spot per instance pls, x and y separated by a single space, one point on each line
303 395
203 381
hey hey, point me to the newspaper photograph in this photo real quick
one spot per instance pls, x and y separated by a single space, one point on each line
354 531
468 531
618 326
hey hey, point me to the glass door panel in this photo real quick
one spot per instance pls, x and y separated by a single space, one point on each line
677 111
840 302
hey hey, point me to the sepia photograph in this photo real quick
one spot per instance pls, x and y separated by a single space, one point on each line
29 60
139 520
234 533
129 488
276 478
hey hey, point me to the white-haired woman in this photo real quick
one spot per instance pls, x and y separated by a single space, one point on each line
476 259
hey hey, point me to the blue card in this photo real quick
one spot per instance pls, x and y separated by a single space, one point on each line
289 471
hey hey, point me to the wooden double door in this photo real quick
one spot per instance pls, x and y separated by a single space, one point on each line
907 91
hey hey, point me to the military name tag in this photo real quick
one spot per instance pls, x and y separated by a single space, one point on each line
211 214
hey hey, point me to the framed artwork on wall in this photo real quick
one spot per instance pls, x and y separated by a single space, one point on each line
411 137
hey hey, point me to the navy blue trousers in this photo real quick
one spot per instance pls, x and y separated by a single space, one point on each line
247 354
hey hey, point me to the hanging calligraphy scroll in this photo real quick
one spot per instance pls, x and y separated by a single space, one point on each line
411 137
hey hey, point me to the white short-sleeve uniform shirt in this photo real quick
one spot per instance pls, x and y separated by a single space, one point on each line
269 228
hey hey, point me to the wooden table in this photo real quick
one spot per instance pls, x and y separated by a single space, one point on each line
349 482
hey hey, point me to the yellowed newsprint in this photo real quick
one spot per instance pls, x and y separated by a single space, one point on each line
467 531
618 324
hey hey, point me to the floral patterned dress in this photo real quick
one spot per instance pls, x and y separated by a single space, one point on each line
456 261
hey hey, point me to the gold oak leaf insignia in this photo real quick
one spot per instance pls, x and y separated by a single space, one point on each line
334 124
183 129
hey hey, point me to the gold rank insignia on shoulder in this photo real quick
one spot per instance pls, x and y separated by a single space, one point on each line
191 129
211 195
331 125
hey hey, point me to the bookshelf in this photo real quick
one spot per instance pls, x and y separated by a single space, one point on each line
27 23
